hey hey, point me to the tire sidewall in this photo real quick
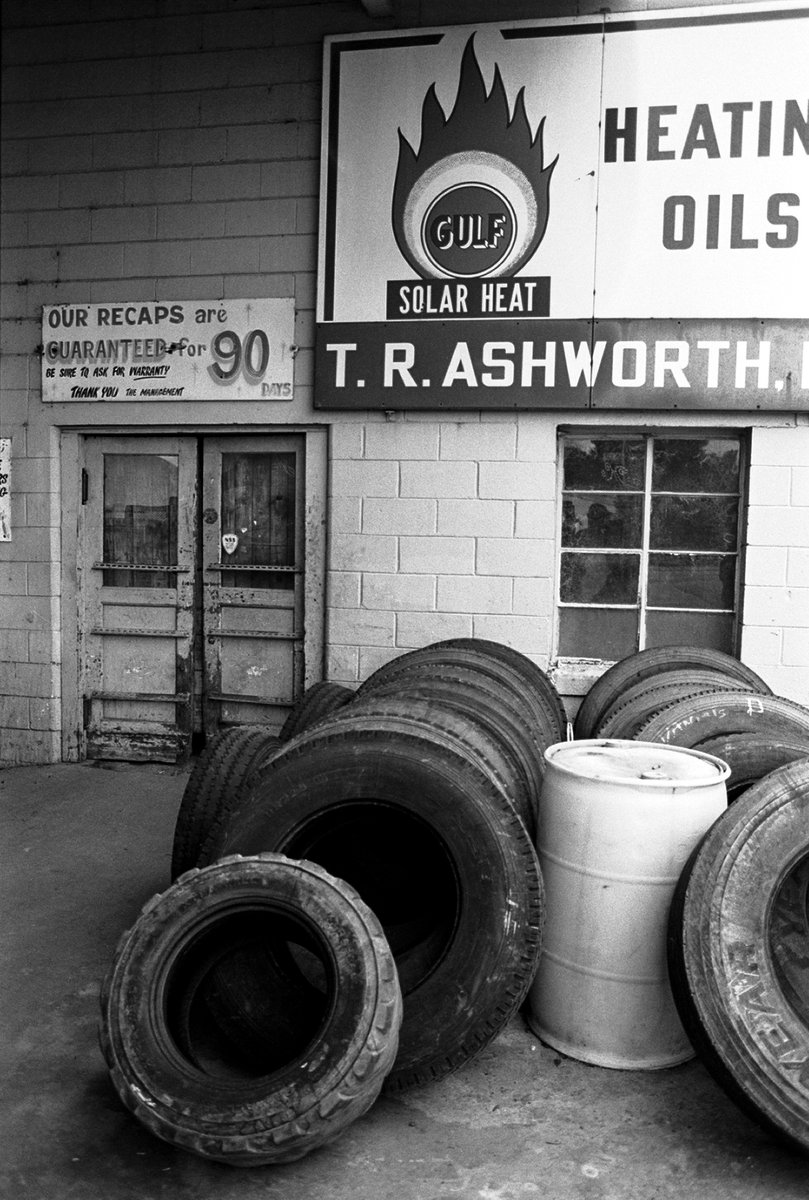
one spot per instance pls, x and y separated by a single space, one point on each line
723 970
488 964
178 1101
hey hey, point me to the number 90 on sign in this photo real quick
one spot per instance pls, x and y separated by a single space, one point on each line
235 357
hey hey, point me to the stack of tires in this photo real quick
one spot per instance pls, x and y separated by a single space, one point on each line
700 699
738 938
237 1020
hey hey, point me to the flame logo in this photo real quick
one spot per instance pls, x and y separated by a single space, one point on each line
474 200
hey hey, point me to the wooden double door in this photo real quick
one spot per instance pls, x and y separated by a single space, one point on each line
190 589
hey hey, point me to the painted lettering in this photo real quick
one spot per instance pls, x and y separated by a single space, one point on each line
399 358
341 351
725 221
712 131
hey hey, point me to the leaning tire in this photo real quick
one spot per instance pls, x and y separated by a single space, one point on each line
216 782
635 667
697 718
533 674
317 701
639 703
751 757
537 704
182 1080
464 730
428 840
738 948
489 708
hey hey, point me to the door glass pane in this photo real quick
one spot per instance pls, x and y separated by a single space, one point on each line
599 578
604 464
140 519
258 519
694 522
595 519
695 465
691 580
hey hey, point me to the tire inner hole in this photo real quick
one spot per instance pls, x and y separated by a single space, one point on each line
400 867
249 994
788 936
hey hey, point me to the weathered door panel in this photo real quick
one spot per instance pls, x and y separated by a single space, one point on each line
137 557
252 579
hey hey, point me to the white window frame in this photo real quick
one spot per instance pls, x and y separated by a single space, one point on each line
587 668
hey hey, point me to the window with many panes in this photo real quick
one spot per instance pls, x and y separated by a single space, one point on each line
649 545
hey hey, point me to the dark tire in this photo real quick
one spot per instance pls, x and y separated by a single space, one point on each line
738 950
490 708
639 703
436 726
698 718
751 757
635 667
428 840
535 678
317 701
464 729
218 776
536 704
168 1061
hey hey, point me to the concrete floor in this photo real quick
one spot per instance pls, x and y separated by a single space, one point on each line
84 847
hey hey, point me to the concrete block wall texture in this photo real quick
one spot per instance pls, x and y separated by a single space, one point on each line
776 603
149 150
170 150
461 519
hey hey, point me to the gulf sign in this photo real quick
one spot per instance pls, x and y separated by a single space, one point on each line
595 212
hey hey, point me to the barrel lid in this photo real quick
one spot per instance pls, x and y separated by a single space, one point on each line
644 762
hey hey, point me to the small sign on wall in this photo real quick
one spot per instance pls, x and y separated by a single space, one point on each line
5 489
168 350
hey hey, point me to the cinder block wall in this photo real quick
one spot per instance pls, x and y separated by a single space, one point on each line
440 528
169 148
149 149
776 604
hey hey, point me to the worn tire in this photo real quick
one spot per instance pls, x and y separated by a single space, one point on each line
489 708
635 667
184 1082
697 718
317 701
752 756
428 840
539 708
219 774
535 678
463 728
738 950
639 703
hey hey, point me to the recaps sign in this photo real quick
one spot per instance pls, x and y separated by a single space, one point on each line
168 351
613 188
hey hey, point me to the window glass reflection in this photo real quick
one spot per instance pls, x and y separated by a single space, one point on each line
258 518
694 522
695 465
604 464
599 578
593 519
140 519
692 580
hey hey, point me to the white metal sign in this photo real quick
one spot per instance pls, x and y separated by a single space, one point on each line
168 350
593 193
